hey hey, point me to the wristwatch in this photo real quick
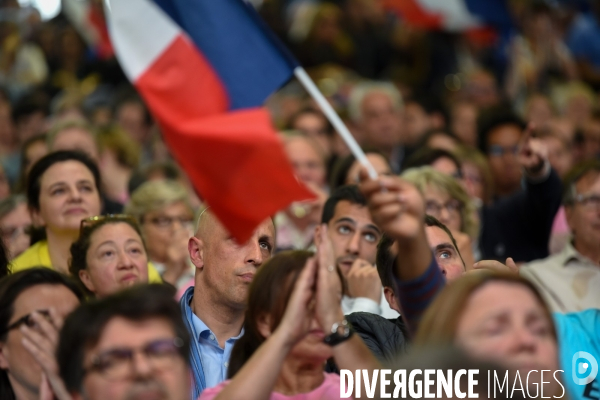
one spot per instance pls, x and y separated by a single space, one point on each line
340 332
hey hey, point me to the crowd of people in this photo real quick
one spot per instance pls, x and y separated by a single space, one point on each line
477 245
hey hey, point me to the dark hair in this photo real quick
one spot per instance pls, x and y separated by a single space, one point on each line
31 103
348 193
83 328
80 247
35 175
3 260
310 110
432 221
430 104
269 294
492 119
21 184
385 261
574 175
427 156
141 176
340 169
10 288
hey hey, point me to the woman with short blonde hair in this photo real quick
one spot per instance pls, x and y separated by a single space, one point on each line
166 218
437 187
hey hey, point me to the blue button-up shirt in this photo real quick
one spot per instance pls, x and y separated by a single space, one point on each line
215 360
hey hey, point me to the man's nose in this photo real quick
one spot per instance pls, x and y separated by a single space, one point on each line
354 243
141 365
255 254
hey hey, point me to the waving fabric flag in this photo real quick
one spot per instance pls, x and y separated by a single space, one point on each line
204 68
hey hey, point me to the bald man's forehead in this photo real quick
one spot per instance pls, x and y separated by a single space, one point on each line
210 226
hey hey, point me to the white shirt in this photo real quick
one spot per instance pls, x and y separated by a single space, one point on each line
363 304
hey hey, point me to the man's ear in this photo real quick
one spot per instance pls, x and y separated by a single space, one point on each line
3 360
391 299
264 325
87 280
196 251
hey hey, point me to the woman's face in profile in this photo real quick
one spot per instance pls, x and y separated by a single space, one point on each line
505 322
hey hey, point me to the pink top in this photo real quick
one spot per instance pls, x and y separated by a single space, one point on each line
560 222
329 390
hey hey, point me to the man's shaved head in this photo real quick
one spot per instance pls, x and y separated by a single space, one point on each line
204 225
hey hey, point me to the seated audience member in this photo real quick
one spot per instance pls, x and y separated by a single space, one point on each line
312 123
439 159
78 135
471 311
476 175
109 255
519 225
354 237
345 171
62 190
15 224
570 279
166 218
457 314
213 309
440 139
500 133
119 156
446 200
101 343
31 151
375 109
293 308
160 171
296 224
463 122
422 113
33 304
73 135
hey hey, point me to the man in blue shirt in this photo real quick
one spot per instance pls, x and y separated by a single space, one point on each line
214 308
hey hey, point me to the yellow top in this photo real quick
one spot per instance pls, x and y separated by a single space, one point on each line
39 256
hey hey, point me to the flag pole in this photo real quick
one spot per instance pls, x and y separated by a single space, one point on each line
335 120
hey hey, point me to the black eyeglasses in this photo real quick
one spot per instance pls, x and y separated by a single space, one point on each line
117 364
27 320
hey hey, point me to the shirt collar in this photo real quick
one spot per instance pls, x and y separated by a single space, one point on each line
204 331
569 253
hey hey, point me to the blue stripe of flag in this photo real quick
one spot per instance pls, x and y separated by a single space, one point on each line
245 54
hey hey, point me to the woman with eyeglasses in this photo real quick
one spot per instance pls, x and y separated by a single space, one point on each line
63 188
166 218
33 305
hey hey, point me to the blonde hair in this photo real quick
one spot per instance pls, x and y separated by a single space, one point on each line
440 322
422 177
474 156
126 150
154 195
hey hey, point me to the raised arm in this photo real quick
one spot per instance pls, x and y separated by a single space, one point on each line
399 210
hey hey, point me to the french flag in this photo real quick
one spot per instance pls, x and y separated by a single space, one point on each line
453 15
205 67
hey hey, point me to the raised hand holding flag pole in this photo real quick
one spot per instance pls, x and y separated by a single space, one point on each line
204 68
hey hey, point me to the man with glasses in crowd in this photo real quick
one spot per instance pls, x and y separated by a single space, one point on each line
570 279
132 345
